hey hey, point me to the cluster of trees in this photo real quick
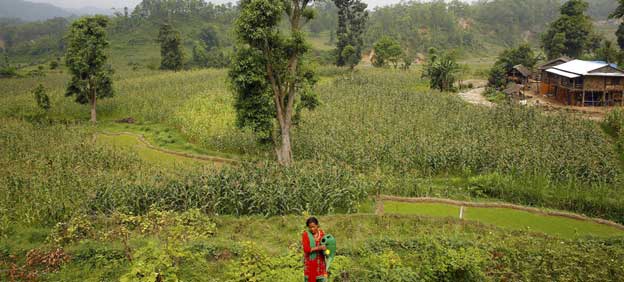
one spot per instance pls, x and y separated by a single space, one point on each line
387 51
171 9
572 34
33 38
209 50
522 55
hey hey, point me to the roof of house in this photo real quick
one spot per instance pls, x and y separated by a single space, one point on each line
562 73
522 69
554 62
576 68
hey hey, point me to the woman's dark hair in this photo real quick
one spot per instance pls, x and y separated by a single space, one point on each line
311 220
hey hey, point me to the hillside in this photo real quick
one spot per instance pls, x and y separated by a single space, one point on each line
30 11
479 28
172 183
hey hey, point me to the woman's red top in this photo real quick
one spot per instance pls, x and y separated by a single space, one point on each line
314 268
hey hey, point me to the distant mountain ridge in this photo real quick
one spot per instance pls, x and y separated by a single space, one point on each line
29 11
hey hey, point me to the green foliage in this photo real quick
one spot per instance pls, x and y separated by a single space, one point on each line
446 135
171 54
350 57
209 57
608 52
86 59
352 17
152 263
41 97
253 96
522 55
615 121
442 71
255 265
7 71
54 64
387 50
267 190
210 37
77 228
497 77
619 34
274 59
571 34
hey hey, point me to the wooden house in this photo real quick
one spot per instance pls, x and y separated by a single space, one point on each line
519 74
584 83
541 71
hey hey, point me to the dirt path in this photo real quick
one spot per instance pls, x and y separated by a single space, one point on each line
141 139
552 105
475 96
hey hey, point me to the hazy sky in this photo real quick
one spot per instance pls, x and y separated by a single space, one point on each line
107 4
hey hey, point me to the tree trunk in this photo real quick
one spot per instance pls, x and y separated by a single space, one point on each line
283 149
93 112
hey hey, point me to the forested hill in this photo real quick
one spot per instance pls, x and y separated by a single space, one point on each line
29 11
418 25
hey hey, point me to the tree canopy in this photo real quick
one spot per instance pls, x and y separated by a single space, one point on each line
387 50
572 34
86 60
171 54
270 66
352 16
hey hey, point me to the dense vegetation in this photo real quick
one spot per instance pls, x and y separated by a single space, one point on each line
186 246
482 25
75 208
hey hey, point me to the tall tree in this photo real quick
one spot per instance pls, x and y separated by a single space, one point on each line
607 52
270 66
619 14
352 16
86 59
170 48
575 27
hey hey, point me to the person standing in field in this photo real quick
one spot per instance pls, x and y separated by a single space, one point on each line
315 268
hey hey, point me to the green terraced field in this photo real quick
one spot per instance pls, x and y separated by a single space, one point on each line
511 219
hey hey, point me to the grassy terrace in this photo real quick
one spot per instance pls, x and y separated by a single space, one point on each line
509 219
63 191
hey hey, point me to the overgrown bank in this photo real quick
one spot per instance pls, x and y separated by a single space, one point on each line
186 246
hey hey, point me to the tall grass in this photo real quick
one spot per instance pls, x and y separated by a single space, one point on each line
383 124
383 120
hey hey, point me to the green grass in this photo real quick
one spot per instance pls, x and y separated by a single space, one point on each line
163 136
149 155
510 219
370 248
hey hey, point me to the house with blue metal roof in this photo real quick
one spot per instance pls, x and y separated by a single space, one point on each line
584 83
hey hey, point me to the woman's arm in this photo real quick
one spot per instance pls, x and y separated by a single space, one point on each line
306 245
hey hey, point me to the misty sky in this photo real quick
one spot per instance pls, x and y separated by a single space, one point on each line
107 4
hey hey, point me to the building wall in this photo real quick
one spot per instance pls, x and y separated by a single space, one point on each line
594 83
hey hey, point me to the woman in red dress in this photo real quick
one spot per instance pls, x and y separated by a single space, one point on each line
315 268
